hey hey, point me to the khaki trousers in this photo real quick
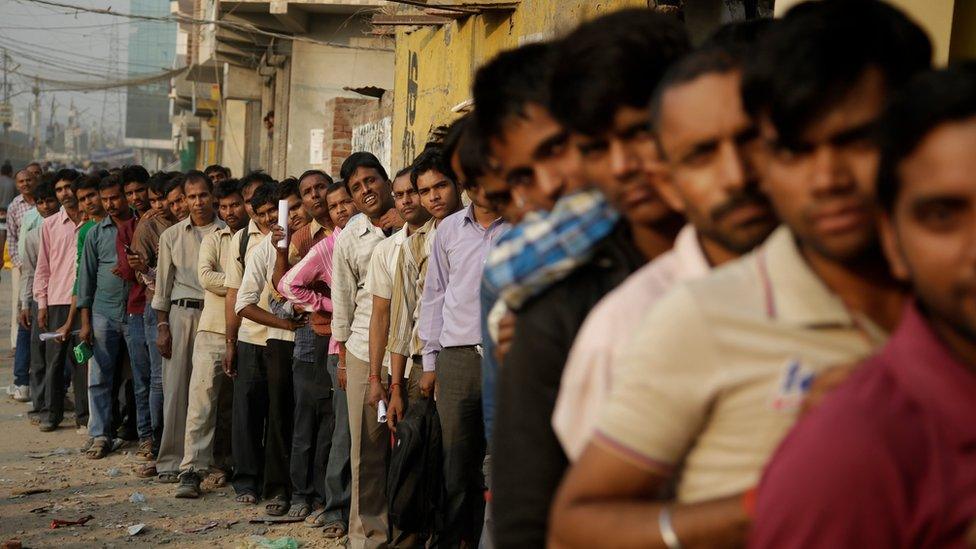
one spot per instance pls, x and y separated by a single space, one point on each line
368 520
176 387
210 390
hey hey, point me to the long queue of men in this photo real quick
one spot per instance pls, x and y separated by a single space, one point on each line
644 295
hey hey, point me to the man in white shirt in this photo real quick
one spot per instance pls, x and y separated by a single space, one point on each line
278 413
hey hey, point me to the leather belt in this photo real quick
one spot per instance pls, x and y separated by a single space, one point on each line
188 303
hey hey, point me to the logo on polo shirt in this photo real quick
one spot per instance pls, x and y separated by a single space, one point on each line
793 386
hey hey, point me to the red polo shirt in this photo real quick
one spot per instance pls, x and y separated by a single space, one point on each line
136 303
888 460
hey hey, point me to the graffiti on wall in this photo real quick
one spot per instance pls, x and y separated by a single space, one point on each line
377 138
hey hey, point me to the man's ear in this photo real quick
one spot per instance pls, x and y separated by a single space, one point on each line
892 247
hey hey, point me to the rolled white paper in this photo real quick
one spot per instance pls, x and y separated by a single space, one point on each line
381 412
283 222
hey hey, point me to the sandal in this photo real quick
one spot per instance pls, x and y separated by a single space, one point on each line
300 510
334 530
277 507
216 479
168 477
247 498
316 519
145 450
99 449
145 470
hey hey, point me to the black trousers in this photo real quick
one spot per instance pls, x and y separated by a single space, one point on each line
312 437
249 415
55 353
281 408
463 437
38 365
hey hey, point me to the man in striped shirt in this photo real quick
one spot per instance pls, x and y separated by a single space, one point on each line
439 195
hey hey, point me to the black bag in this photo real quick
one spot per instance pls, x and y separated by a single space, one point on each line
415 478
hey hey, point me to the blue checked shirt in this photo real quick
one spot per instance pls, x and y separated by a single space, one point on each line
304 336
547 246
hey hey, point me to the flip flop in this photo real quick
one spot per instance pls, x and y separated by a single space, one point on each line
277 506
98 450
334 530
300 510
246 498
316 519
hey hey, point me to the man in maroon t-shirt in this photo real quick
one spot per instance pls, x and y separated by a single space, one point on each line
889 459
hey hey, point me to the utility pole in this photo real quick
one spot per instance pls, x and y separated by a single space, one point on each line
6 112
37 119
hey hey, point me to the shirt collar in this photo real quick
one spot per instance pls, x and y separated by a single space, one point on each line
470 219
252 227
426 227
927 370
793 292
688 253
107 221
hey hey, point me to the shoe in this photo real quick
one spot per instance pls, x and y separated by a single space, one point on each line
22 393
189 485
145 450
48 426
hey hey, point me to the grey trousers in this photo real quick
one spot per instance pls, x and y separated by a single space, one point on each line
337 470
463 438
183 324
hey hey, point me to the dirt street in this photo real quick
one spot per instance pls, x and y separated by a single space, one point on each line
72 487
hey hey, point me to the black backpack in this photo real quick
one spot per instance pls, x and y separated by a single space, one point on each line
415 478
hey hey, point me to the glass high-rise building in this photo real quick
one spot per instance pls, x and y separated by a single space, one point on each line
152 49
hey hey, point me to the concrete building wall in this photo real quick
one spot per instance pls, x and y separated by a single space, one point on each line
318 73
234 135
435 65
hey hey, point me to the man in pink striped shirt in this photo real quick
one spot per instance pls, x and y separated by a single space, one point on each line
54 282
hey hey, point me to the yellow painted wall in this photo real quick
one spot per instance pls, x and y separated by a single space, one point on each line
435 65
935 16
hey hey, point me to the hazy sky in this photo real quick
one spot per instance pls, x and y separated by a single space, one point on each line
67 45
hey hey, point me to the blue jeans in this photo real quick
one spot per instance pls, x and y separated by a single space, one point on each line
155 377
107 336
135 340
22 357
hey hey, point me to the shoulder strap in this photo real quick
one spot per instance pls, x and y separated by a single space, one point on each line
242 251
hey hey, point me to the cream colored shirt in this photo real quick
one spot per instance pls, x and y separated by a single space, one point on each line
609 327
179 253
213 249
256 285
379 278
250 331
714 375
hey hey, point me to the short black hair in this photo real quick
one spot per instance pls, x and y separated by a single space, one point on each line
257 176
196 176
134 174
710 60
613 61
429 160
361 159
738 37
228 187
45 189
88 182
932 99
67 174
818 51
308 173
473 156
288 187
511 80
216 168
338 185
113 180
157 182
173 183
266 194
